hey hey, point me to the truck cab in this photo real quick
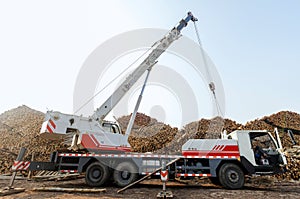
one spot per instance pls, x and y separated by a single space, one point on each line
226 161
260 153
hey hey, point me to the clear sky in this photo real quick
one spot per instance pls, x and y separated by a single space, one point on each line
254 44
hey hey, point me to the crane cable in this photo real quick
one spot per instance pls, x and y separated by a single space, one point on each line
211 84
114 79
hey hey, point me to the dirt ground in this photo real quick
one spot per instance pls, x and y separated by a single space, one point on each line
258 188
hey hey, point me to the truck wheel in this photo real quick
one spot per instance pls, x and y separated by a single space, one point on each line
125 173
96 174
231 176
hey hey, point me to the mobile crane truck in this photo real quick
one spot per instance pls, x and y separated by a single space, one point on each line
102 152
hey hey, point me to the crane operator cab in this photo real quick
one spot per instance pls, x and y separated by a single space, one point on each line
112 127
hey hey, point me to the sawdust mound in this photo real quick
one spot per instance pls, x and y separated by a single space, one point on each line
293 166
148 134
282 120
20 127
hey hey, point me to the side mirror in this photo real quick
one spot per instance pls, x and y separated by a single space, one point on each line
278 138
291 135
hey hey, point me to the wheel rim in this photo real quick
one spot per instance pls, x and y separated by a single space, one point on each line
95 174
125 175
233 176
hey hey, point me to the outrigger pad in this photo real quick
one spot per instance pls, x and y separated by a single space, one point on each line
166 194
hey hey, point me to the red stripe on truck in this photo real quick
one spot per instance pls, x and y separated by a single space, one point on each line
52 124
49 129
217 150
210 153
87 142
90 142
231 148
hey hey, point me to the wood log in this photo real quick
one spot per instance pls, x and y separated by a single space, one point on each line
68 190
5 192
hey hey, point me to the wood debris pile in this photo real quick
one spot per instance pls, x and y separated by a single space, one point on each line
210 129
148 134
293 167
281 120
20 127
6 161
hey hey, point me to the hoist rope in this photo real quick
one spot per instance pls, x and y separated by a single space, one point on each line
211 85
202 51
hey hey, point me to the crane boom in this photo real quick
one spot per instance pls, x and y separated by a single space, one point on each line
159 47
93 133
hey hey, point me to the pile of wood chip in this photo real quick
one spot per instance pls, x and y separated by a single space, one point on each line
148 134
293 167
281 120
20 127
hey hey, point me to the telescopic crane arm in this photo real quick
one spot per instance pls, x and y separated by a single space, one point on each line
159 47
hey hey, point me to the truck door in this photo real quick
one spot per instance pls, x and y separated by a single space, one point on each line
264 148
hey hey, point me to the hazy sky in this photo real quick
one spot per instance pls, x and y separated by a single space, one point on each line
254 45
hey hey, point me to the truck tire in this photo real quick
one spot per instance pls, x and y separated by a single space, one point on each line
96 174
231 176
125 173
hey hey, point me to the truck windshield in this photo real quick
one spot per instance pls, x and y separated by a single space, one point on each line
113 128
262 140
